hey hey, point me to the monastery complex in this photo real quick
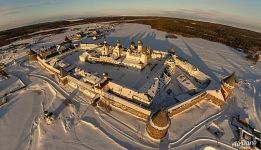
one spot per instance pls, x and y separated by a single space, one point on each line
152 73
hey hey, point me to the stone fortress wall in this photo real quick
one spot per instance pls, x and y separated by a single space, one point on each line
126 106
128 93
214 96
50 68
176 109
112 99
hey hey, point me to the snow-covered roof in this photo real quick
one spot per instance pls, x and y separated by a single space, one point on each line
185 82
69 68
152 91
230 80
183 97
83 55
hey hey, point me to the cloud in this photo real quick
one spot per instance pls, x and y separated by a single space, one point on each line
6 10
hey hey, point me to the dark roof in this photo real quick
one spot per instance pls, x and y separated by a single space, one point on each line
3 73
230 80
132 43
118 43
66 39
102 84
2 64
145 50
31 52
161 118
63 73
172 51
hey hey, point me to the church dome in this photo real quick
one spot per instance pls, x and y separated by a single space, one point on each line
105 43
118 43
140 42
172 51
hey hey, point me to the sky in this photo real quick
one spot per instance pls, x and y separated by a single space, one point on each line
239 13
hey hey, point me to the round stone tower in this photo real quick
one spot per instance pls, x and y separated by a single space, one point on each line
158 124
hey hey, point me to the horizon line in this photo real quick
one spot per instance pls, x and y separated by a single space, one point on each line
82 18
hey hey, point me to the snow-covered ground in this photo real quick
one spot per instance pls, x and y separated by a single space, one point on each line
81 126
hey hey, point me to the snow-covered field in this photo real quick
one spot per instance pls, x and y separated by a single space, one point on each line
82 126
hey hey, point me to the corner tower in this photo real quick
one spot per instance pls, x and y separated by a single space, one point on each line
158 124
228 85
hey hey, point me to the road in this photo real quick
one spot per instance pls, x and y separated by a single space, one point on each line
199 126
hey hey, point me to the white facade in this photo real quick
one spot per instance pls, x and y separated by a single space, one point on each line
129 93
88 46
117 51
87 77
84 57
191 70
140 55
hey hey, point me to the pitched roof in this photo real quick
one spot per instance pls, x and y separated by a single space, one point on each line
230 80
2 66
31 52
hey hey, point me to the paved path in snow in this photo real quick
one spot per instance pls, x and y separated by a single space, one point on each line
206 141
105 123
198 126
